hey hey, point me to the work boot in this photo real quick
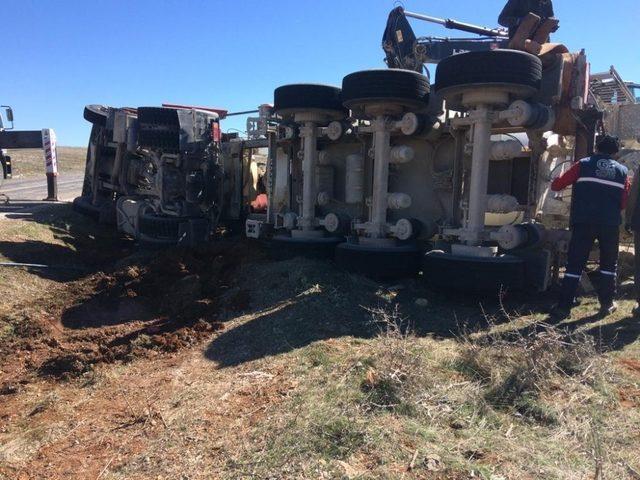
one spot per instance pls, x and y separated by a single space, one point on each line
608 309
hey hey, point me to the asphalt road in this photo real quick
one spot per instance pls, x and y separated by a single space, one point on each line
23 195
69 187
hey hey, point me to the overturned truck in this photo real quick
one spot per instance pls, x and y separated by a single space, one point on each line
389 174
399 176
167 175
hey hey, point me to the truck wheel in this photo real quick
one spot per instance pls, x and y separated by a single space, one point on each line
473 274
307 96
284 247
83 206
379 262
96 114
159 128
511 69
403 86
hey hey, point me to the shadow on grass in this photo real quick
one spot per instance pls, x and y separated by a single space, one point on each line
287 326
616 335
296 324
610 333
22 209
328 303
82 246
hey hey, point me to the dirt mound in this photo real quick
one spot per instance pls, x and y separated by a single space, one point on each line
149 304
65 366
62 365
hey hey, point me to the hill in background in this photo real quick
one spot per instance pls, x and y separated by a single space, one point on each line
30 162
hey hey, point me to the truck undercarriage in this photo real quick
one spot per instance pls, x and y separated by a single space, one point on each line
163 174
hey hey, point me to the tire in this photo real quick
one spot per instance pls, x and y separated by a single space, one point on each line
495 66
104 213
83 206
159 128
284 247
389 84
304 96
379 262
97 114
473 274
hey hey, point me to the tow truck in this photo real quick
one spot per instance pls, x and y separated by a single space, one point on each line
44 139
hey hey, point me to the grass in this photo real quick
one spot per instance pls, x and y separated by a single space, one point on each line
30 162
535 406
392 406
517 371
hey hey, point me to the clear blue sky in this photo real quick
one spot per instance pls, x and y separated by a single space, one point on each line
59 55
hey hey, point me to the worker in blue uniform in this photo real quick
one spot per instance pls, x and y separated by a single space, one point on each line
600 192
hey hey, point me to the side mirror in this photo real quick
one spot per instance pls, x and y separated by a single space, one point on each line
8 114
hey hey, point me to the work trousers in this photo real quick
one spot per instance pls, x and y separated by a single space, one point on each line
583 236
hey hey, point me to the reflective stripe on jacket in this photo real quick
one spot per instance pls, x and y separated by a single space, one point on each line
600 189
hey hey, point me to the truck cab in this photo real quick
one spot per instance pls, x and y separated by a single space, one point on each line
6 123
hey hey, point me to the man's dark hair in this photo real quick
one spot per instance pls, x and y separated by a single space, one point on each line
608 145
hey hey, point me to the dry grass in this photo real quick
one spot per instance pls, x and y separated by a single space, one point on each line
398 406
517 369
396 378
31 162
394 406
